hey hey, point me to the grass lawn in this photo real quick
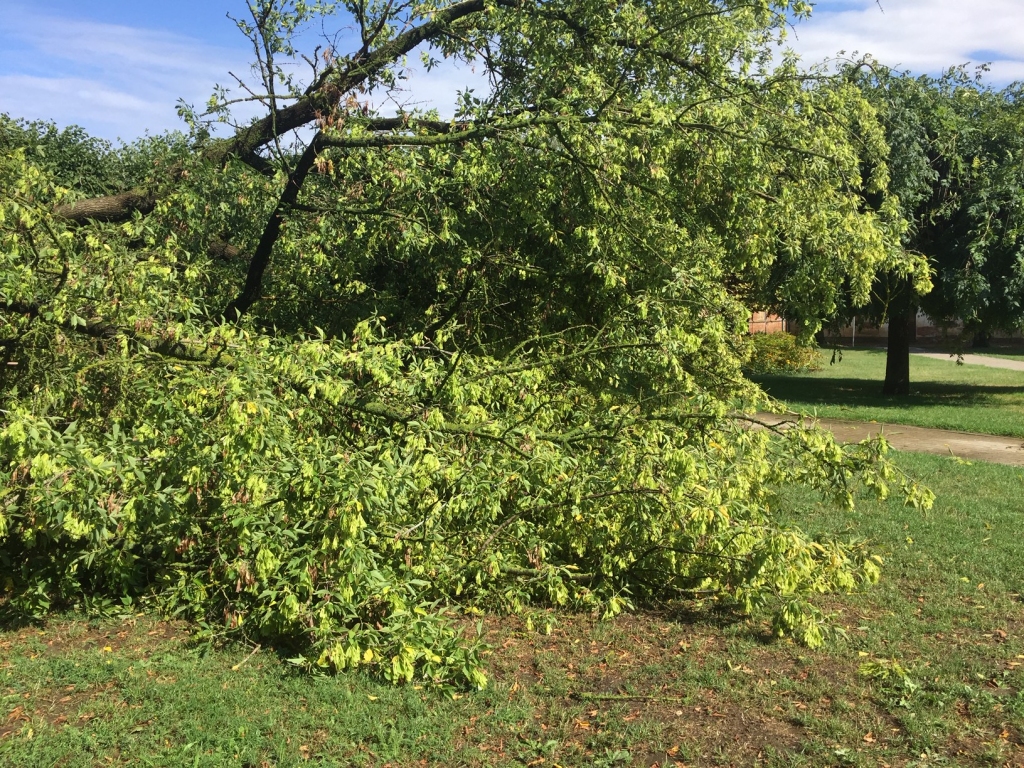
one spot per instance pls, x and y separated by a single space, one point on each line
684 686
971 398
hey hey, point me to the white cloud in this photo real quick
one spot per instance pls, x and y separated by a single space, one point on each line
75 100
114 80
122 81
117 80
437 89
925 36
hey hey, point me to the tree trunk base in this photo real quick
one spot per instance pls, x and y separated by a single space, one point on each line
902 331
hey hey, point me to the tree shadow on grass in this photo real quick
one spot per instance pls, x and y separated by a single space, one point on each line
868 392
693 613
753 627
12 619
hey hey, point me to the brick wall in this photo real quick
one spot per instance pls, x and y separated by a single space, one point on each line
762 322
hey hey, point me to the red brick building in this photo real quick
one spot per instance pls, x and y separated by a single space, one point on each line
762 322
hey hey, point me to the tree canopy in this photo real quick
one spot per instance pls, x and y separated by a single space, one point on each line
955 161
318 387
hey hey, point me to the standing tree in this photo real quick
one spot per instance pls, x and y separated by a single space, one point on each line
955 160
313 387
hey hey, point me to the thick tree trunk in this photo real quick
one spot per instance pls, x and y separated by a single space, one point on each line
113 208
902 332
981 340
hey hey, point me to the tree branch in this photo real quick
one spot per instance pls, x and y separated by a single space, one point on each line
325 92
271 233
321 97
111 208
100 329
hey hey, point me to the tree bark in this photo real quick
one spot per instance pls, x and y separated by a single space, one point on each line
319 99
111 208
253 287
902 331
224 251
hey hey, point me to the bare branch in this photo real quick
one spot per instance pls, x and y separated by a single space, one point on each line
325 92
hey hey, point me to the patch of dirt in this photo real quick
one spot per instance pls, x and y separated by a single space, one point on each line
57 638
635 668
70 704
722 727
1003 748
57 706
13 722
132 634
942 442
595 656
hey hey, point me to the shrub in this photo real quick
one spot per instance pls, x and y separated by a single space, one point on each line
781 352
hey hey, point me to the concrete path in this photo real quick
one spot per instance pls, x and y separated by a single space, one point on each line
990 362
965 445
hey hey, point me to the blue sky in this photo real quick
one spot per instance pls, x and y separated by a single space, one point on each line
925 36
118 68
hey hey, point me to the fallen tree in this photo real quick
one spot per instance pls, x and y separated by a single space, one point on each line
314 389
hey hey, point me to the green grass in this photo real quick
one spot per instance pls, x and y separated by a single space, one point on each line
971 398
685 685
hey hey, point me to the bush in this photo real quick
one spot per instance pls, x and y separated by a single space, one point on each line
781 352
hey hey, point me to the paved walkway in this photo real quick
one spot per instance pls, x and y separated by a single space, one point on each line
990 362
965 445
